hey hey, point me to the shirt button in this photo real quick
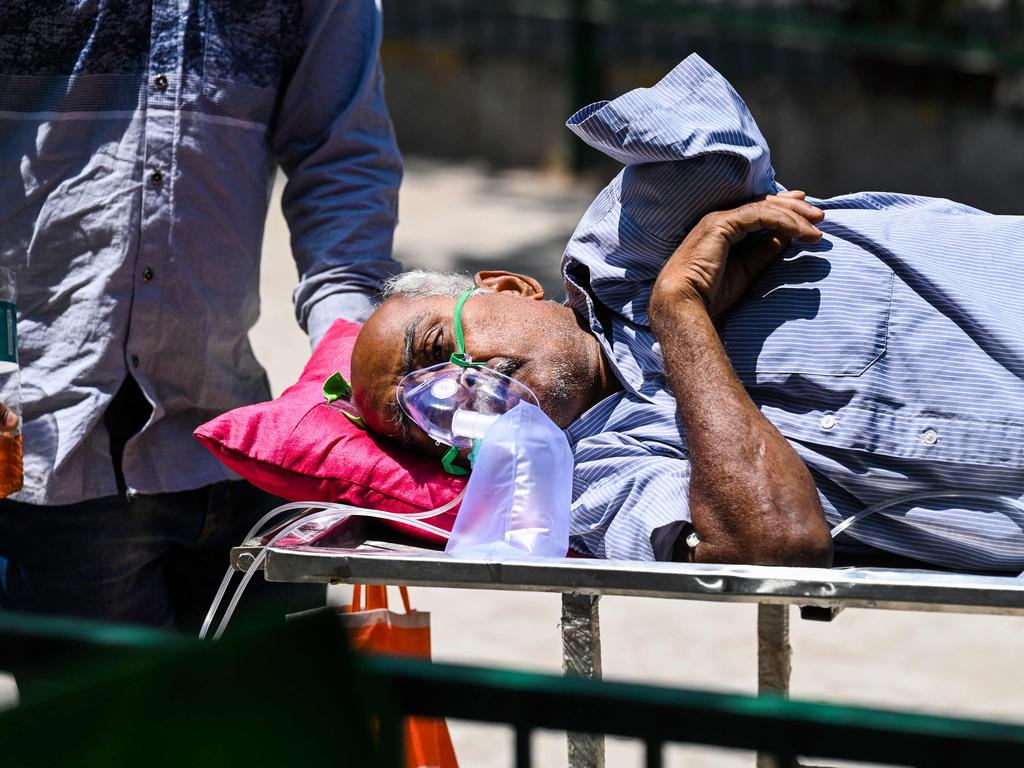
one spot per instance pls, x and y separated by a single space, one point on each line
828 421
147 274
135 361
160 82
929 437
157 177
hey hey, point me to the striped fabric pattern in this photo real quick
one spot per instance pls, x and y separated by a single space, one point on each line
890 354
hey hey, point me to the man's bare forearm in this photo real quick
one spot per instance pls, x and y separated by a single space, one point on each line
752 500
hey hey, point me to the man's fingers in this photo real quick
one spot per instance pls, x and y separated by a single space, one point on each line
792 199
770 215
795 202
795 218
8 419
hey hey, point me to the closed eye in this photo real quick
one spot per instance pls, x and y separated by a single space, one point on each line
437 346
398 419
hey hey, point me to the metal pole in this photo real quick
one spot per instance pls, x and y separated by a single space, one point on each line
653 754
581 657
584 73
524 747
774 663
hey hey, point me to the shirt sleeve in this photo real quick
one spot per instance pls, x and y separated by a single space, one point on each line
334 140
628 502
689 145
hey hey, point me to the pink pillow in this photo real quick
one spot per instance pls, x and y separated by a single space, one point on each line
299 448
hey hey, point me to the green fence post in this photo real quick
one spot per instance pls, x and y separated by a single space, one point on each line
584 72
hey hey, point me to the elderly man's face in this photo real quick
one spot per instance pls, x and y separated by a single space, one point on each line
539 343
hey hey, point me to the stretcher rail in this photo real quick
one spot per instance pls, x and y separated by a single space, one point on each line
821 593
834 588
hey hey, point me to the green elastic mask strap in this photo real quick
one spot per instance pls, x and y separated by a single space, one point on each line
459 357
449 467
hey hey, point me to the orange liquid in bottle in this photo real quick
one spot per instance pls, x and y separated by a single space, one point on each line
11 477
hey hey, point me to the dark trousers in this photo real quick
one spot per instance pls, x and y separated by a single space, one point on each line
155 559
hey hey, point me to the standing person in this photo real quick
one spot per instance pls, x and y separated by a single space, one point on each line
137 146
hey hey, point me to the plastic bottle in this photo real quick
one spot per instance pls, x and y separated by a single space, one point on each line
518 497
11 472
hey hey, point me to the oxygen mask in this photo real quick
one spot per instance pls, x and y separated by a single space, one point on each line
455 402
455 405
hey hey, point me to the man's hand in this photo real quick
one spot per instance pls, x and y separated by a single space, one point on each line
752 500
718 261
8 419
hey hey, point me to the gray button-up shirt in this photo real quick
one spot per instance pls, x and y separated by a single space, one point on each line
137 141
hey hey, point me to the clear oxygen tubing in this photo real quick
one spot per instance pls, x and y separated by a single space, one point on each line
324 510
230 571
256 530
318 510
1007 500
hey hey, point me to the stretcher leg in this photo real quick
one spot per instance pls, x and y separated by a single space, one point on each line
774 663
581 657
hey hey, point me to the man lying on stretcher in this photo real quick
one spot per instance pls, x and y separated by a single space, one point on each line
735 384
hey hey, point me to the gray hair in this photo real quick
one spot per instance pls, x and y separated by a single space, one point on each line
424 283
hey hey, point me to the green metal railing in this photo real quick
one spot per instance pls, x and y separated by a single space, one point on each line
938 33
657 715
955 49
951 34
291 694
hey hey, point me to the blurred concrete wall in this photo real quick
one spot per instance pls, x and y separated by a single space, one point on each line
448 104
835 123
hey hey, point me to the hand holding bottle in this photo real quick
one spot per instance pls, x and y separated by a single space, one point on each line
11 478
8 419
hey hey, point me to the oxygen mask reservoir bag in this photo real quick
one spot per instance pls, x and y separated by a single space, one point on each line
518 499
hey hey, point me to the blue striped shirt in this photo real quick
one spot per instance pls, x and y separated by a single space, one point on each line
890 354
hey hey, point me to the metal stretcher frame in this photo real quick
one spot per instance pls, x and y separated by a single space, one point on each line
819 592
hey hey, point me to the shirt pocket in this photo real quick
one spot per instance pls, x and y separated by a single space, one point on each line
251 43
823 311
249 50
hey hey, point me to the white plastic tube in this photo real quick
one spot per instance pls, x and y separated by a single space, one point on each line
472 424
1007 500
230 571
318 510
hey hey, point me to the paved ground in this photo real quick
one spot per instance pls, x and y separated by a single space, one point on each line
465 217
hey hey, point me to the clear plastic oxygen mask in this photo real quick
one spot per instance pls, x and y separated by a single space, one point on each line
455 405
455 402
